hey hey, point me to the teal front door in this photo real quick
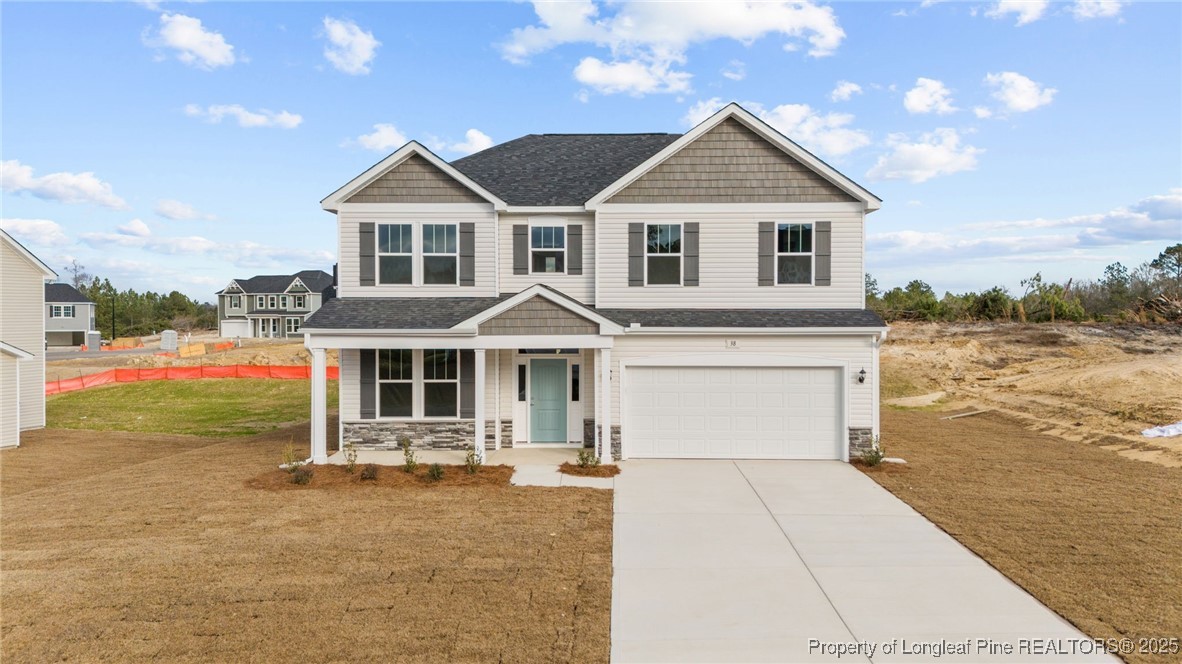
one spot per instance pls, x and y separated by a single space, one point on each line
547 402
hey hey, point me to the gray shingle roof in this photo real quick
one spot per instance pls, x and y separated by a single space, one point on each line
64 293
316 281
559 169
439 313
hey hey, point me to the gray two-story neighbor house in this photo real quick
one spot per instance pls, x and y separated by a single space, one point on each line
272 305
653 295
69 315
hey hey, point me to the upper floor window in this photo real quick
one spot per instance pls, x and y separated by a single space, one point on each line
61 311
300 301
547 249
440 254
235 301
663 254
282 301
261 302
395 253
794 253
272 302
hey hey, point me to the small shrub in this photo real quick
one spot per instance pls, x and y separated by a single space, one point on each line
412 463
369 472
291 459
874 456
587 459
350 458
302 475
472 462
435 472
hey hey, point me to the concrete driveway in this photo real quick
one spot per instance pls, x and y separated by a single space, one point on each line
735 561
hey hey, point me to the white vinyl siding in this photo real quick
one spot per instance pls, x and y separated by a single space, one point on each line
728 264
22 324
579 286
9 394
350 387
81 321
349 268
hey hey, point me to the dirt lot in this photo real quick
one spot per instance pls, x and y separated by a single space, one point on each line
122 546
256 352
1094 536
1096 384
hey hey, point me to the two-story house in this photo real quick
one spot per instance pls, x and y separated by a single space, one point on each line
655 295
69 315
22 340
272 305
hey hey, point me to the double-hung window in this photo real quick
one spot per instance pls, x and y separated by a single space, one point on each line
395 383
299 301
663 254
61 311
547 246
440 254
395 253
441 383
794 253
272 302
282 301
235 301
293 325
261 301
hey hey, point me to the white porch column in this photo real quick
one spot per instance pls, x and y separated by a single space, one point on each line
497 398
480 387
319 407
605 381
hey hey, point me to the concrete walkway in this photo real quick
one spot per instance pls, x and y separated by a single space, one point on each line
724 561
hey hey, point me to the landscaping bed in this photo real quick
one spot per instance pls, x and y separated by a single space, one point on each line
606 470
330 476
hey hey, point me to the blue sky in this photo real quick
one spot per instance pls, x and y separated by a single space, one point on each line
179 145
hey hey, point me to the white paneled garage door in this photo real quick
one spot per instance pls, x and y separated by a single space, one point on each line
732 412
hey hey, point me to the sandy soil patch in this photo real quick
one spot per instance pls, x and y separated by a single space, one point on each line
255 352
1094 536
173 558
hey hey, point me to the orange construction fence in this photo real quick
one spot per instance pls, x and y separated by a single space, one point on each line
184 373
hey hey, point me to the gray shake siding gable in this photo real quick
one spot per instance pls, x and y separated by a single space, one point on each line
731 164
415 180
538 315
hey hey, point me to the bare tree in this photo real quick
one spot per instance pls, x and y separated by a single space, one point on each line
78 275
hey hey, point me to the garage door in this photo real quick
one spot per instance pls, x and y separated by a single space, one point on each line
234 328
732 412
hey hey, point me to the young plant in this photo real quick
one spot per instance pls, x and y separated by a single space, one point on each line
435 472
587 459
291 459
411 462
369 472
874 456
472 462
350 458
302 475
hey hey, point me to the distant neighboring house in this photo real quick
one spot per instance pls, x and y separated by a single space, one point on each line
69 315
22 340
272 305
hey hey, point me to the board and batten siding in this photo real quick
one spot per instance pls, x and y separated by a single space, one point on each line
415 180
579 286
349 269
22 324
728 262
857 351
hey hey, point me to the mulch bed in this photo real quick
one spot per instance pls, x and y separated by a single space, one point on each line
335 477
883 468
607 470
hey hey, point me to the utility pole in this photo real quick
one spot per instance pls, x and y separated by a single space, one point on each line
112 318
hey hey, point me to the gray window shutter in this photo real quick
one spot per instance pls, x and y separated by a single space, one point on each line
467 383
468 254
767 253
689 249
635 254
520 249
366 253
369 383
822 252
574 249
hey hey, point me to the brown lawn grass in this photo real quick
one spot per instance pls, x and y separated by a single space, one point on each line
603 470
117 549
1095 536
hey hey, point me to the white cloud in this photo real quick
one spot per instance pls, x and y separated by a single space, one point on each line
936 153
929 96
982 113
350 49
40 232
384 138
474 141
260 118
63 187
844 91
648 41
735 71
1027 11
176 210
135 228
194 45
1018 93
1088 9
825 133
243 253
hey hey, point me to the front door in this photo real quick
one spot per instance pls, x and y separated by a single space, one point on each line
547 409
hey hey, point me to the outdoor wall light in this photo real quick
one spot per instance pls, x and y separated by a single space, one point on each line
862 376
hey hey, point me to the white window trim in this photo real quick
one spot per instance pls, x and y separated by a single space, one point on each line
417 390
415 248
287 324
60 311
261 302
282 301
423 255
272 302
235 301
680 254
414 381
549 222
811 253
300 301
